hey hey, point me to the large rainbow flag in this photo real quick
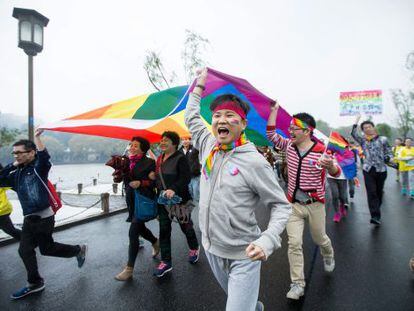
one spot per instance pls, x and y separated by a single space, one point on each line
146 115
151 114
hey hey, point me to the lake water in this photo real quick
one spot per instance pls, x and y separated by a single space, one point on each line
67 176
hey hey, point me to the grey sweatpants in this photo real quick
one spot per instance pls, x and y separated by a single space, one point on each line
240 279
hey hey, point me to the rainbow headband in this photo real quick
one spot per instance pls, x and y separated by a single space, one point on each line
230 105
299 123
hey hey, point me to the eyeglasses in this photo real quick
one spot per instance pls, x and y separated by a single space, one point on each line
20 152
292 129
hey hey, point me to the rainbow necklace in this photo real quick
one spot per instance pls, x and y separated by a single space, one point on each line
208 165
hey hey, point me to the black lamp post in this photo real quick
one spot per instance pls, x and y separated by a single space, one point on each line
31 25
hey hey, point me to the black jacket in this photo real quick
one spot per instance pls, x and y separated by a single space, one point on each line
176 174
140 172
193 160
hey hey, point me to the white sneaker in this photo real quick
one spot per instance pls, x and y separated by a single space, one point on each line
141 242
329 264
259 306
296 291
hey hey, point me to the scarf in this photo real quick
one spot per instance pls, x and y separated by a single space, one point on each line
371 137
208 165
133 159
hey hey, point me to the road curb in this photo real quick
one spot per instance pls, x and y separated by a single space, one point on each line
72 224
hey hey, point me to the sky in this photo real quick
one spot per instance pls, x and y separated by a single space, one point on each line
302 53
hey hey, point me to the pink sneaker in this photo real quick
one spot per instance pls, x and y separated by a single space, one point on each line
343 211
337 217
193 255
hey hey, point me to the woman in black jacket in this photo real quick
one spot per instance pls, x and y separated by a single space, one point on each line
140 168
173 171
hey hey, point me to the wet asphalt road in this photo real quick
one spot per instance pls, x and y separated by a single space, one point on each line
371 268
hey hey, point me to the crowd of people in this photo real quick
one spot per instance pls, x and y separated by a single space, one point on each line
222 173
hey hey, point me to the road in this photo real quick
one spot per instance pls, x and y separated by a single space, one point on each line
371 268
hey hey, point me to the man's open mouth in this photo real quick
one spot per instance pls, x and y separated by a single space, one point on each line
223 131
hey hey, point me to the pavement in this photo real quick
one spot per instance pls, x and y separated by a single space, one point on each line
371 268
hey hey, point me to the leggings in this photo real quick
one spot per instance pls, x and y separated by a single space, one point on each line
137 229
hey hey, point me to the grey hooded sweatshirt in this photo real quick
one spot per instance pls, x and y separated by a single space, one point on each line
241 181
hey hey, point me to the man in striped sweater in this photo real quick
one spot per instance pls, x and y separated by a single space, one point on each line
307 166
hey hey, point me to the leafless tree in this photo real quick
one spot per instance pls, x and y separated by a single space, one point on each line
192 55
156 72
193 52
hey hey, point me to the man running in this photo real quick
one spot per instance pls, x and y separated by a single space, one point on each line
28 176
236 180
306 163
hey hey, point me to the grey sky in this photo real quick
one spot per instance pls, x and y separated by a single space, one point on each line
301 52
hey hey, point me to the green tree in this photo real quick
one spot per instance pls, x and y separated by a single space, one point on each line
82 147
345 131
404 101
5 155
55 148
404 104
323 126
7 136
384 130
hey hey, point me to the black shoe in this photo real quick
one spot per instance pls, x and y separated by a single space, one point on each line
81 257
375 221
129 219
27 290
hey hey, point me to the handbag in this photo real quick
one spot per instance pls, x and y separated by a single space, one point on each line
145 208
182 212
54 199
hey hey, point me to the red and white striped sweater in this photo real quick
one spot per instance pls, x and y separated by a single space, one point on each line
302 171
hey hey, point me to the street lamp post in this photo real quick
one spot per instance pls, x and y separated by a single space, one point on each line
31 24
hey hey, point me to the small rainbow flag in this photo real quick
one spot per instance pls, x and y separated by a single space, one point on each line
337 143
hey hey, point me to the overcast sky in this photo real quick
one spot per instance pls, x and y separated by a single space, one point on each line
301 52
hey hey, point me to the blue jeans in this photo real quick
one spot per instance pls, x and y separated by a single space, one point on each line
408 181
194 188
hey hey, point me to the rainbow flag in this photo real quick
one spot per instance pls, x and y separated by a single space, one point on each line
346 161
336 143
151 114
146 115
